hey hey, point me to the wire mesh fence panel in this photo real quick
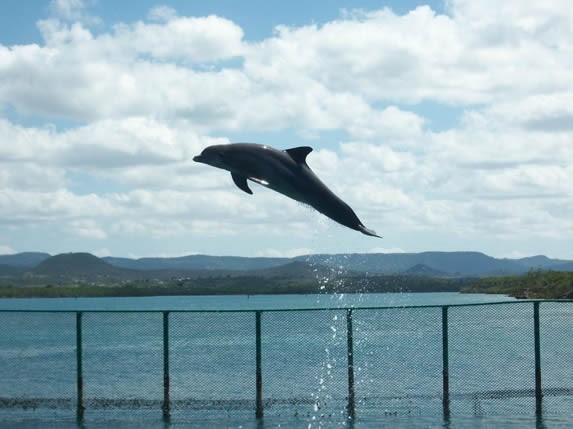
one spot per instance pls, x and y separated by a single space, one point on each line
37 365
304 364
398 362
212 364
204 367
492 365
122 365
556 333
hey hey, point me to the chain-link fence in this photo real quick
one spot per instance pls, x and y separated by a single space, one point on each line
501 359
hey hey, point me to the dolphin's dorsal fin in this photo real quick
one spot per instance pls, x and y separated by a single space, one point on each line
241 182
299 153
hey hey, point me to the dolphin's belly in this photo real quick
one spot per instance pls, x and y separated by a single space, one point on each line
280 176
286 183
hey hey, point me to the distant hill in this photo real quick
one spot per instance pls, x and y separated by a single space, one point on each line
24 259
540 262
453 263
79 264
11 270
567 266
296 269
423 270
198 262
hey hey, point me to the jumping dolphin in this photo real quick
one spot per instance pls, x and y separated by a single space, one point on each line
284 171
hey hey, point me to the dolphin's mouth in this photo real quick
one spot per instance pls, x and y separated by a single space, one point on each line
198 158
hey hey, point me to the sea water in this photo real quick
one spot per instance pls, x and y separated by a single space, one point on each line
397 360
248 302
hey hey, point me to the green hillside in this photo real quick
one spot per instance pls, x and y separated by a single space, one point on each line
76 264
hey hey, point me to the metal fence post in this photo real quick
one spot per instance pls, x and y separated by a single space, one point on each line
259 372
537 346
79 369
351 407
445 365
166 402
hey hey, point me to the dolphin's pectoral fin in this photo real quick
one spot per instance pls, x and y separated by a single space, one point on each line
300 153
241 182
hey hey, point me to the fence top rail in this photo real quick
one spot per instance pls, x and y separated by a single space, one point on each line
275 310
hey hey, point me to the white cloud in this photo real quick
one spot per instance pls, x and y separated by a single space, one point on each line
87 228
288 253
386 250
101 252
67 9
545 113
52 207
132 141
6 250
202 39
162 13
391 122
30 176
72 10
381 159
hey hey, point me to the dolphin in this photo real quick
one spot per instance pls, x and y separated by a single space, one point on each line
284 171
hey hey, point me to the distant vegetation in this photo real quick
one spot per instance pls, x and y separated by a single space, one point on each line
83 274
533 285
245 285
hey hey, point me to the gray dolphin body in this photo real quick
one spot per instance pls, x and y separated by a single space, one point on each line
283 171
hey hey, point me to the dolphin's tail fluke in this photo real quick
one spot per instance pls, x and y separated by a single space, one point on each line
367 231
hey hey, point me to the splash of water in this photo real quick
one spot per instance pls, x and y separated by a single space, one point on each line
327 411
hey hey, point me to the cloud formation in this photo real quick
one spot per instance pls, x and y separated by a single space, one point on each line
119 113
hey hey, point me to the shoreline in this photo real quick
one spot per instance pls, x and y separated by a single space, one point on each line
533 285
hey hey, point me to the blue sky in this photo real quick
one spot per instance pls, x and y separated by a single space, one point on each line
445 126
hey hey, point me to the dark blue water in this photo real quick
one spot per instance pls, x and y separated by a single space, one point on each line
397 361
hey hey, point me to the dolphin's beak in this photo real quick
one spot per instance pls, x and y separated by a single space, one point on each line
198 158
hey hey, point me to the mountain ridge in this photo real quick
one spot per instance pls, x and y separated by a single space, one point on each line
460 263
23 259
